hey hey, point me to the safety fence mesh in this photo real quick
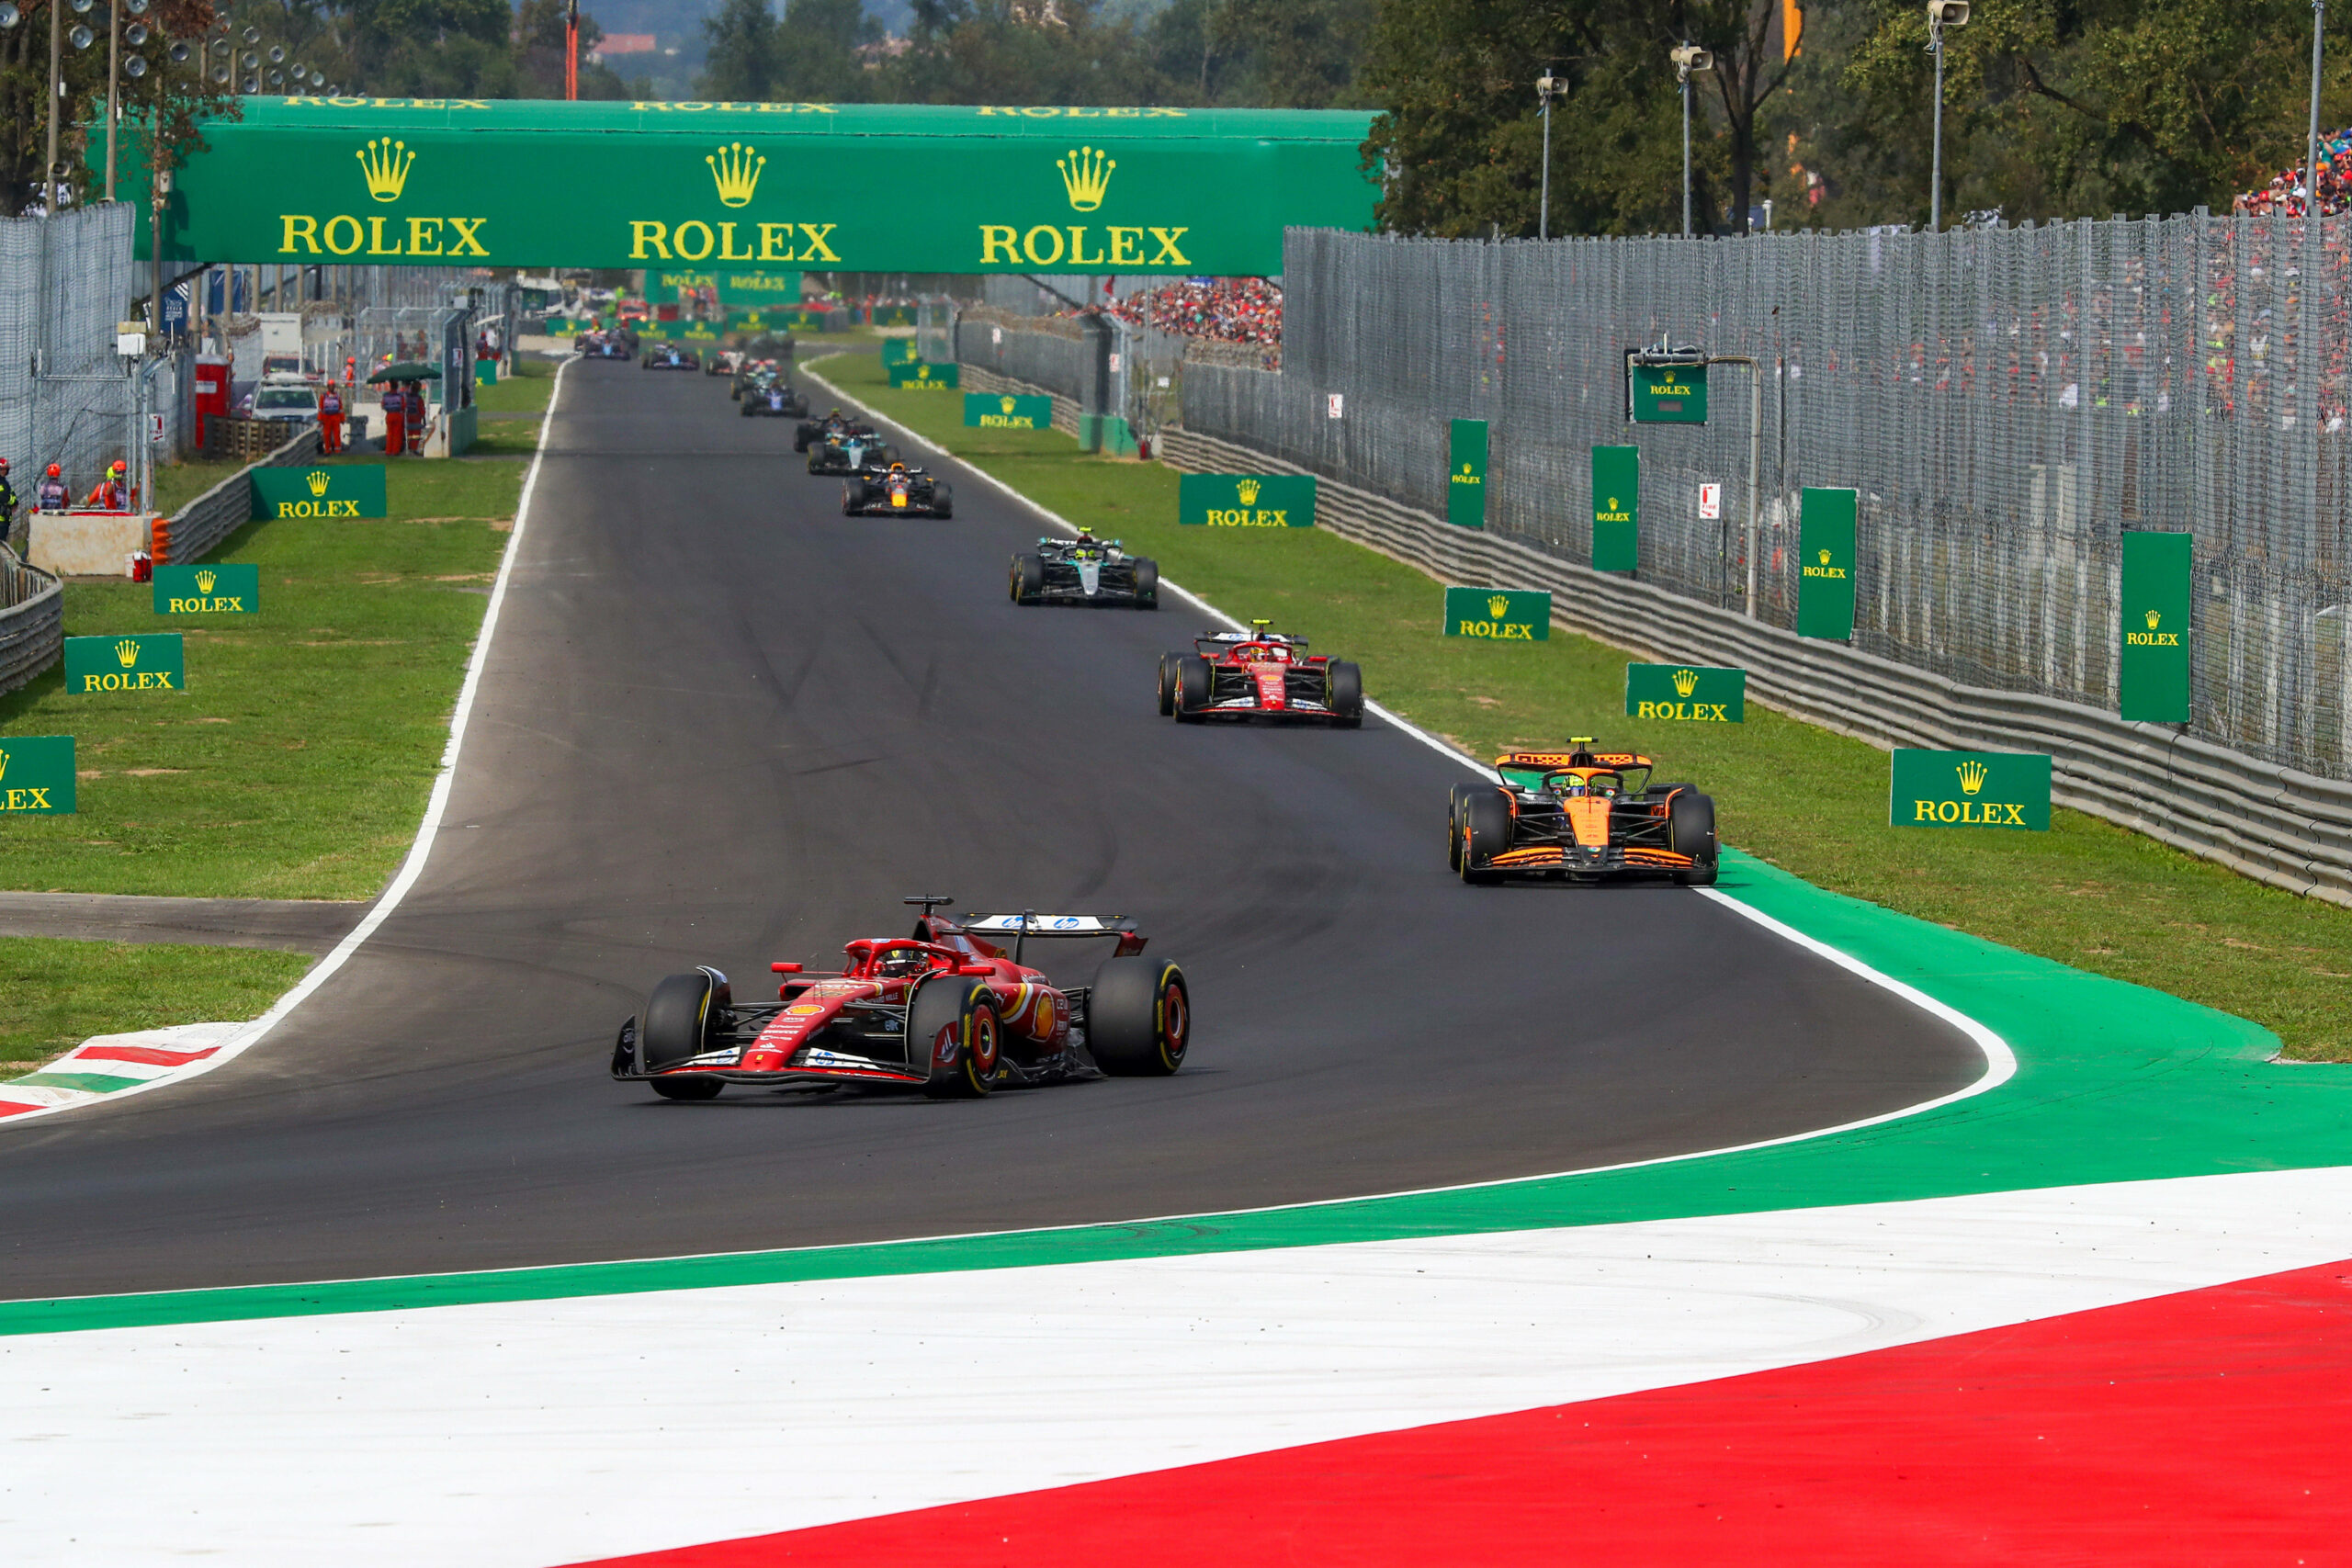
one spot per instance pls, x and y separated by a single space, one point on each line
65 396
2008 403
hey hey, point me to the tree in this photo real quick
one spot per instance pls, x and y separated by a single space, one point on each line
1752 62
539 54
744 60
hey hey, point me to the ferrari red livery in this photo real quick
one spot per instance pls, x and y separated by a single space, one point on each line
1258 673
952 1010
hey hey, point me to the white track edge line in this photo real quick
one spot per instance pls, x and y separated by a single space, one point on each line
420 849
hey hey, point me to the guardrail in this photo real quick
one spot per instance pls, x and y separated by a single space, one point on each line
33 623
2280 826
200 525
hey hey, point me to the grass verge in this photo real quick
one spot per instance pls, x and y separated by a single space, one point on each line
55 993
524 389
298 761
2087 892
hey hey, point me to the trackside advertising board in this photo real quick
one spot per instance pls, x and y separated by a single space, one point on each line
1669 394
898 351
1499 615
207 590
1825 564
1245 501
331 490
2152 673
1690 693
923 375
1004 410
1465 475
36 774
893 315
2001 790
105 665
1616 508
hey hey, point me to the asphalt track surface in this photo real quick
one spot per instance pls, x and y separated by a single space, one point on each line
722 723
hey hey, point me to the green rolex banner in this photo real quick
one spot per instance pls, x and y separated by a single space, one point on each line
893 315
1970 789
1465 475
37 774
922 375
2153 673
331 490
898 351
153 663
1669 394
1825 535
207 590
1616 508
485 372
1004 410
1245 501
1694 694
565 326
1499 615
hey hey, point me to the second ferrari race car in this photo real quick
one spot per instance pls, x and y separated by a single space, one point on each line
1583 815
1085 570
947 1010
896 491
669 357
1258 673
769 393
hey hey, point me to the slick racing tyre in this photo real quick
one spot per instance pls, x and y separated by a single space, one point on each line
1138 1018
1029 580
799 436
1455 799
1147 587
1167 662
1345 683
746 410
952 1021
1486 833
1196 687
1691 829
680 1021
942 502
853 497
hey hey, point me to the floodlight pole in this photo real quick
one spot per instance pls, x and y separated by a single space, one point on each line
56 65
1545 90
2311 146
1936 160
1686 151
114 86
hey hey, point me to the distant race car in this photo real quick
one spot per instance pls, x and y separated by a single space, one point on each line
603 345
773 396
1258 673
896 491
1085 570
1581 815
948 1012
810 431
850 454
669 357
722 362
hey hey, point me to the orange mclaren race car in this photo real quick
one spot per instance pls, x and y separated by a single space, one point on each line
1583 815
947 1010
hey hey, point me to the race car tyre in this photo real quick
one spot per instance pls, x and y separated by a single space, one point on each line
679 1018
1690 830
1138 1018
1347 693
1029 580
745 411
1196 687
1486 833
799 436
952 1020
699 1087
1455 798
1147 586
1167 662
942 502
853 497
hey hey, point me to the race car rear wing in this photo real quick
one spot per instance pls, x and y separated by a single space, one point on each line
1573 759
1029 923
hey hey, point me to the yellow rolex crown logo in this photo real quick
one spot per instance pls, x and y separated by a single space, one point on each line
1971 777
4 764
1685 682
1248 491
386 163
126 652
2154 616
1466 467
736 168
1497 606
1825 558
1612 503
1006 403
317 482
205 580
1086 174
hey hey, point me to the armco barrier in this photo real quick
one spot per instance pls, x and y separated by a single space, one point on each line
32 626
228 506
2291 830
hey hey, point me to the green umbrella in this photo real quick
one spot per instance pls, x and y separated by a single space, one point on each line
407 370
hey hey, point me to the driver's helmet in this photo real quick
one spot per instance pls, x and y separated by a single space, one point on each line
902 963
898 470
1085 537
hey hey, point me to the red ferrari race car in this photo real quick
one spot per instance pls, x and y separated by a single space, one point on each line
1258 673
1581 815
947 1010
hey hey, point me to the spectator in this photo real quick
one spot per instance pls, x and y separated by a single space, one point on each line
1238 309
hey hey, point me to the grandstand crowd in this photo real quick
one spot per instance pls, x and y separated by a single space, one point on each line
1238 309
2285 194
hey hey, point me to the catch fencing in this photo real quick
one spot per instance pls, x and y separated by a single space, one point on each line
65 396
2007 402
